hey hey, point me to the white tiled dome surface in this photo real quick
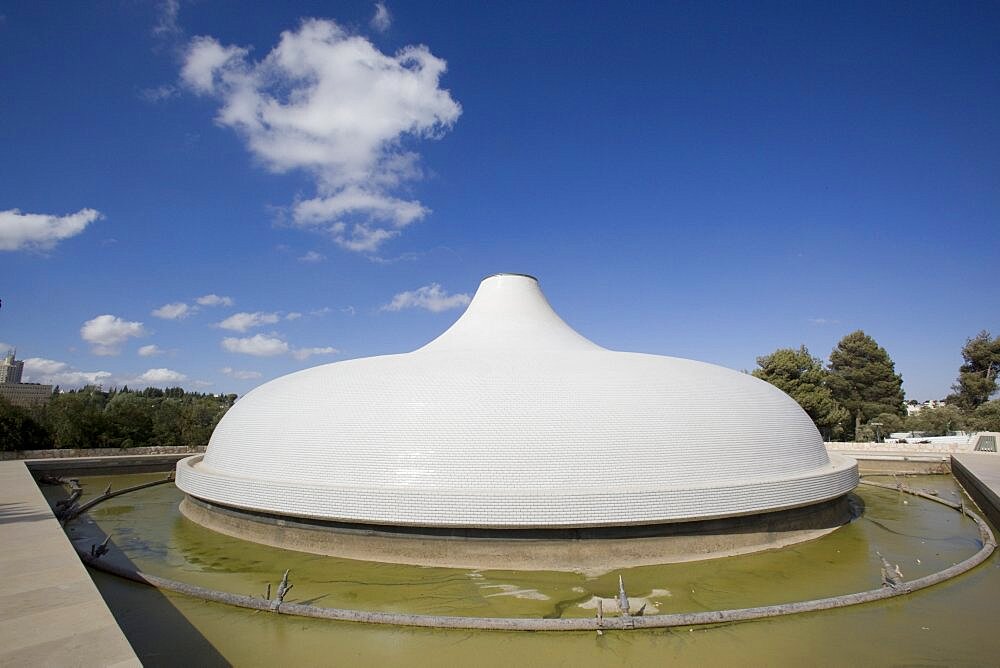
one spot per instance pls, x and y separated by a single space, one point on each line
512 419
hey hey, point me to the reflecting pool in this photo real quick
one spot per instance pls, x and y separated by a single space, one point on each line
950 624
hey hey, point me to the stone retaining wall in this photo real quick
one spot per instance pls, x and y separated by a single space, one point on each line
56 453
901 448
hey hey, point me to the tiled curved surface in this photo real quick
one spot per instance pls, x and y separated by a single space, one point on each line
465 507
512 419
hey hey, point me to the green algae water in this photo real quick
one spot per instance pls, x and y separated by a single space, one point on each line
950 624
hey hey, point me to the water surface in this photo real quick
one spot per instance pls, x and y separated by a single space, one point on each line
951 624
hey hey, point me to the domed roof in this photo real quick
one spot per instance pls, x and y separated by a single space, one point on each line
511 419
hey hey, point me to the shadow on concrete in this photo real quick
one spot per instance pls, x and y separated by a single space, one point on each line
21 512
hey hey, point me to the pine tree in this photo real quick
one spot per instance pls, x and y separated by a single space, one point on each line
864 381
977 377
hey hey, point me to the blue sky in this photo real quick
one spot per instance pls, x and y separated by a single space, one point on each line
705 180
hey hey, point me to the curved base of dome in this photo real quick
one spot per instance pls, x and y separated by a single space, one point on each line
591 550
516 507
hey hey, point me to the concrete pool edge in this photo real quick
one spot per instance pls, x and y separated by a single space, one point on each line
892 587
51 612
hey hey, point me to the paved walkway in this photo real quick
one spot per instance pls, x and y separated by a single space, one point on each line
980 471
51 614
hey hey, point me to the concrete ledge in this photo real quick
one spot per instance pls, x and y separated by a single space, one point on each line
979 473
63 453
103 465
51 613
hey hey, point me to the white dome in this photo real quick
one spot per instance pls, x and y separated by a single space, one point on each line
511 419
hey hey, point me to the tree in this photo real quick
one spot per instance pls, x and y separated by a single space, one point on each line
19 430
129 421
864 381
803 378
76 419
986 417
168 423
882 425
936 421
977 377
200 415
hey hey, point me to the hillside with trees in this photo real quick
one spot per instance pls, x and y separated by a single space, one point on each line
92 418
858 396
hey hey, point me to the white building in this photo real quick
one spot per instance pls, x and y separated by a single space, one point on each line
14 391
10 369
511 419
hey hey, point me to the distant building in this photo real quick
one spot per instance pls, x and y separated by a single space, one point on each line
16 392
913 407
11 369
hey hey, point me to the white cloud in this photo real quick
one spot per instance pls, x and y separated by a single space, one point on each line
240 374
430 297
159 93
383 216
382 18
312 256
174 311
334 105
305 353
166 23
106 333
51 372
214 300
151 350
160 377
823 321
241 322
294 315
39 231
259 345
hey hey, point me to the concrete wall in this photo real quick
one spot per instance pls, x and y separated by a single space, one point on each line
56 453
901 448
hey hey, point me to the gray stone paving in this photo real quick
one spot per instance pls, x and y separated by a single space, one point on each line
51 613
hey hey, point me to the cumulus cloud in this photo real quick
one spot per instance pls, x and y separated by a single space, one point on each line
151 350
294 315
305 353
430 297
214 300
382 18
259 345
106 333
174 311
39 231
51 372
160 377
332 104
312 257
241 322
240 374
